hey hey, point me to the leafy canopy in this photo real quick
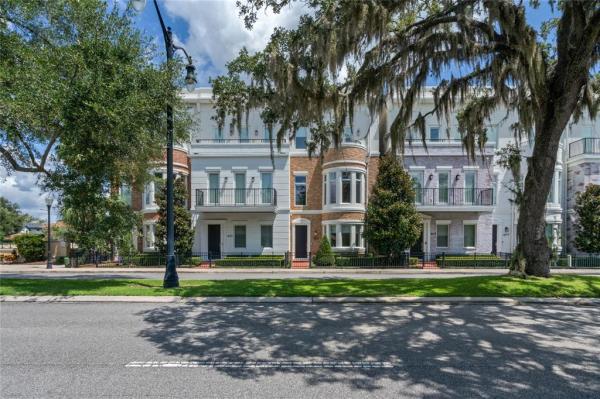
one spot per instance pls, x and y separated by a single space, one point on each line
11 218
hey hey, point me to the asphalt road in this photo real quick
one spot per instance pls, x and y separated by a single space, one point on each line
415 351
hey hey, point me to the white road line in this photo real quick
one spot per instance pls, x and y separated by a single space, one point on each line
264 364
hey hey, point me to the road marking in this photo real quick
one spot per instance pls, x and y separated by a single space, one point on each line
263 364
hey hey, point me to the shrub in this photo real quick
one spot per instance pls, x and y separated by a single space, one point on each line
250 261
370 261
471 261
32 247
412 261
8 258
324 256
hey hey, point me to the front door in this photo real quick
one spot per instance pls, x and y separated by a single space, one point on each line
301 233
214 241
417 247
494 238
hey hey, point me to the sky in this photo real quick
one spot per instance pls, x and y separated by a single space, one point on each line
213 33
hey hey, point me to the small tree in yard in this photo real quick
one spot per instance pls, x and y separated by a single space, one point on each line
392 224
587 207
324 256
184 234
31 246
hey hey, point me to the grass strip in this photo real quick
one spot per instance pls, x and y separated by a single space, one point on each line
482 286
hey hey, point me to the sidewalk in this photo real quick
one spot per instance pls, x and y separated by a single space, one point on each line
304 300
59 269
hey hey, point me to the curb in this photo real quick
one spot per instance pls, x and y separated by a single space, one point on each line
305 300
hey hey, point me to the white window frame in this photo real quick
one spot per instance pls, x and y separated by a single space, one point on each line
474 224
245 235
333 176
305 184
336 226
261 235
149 227
442 223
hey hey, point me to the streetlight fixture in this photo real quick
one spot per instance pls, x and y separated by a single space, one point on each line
49 202
171 278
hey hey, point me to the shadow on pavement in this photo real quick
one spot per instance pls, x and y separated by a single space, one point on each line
441 350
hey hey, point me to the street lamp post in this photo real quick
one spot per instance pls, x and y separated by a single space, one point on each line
171 279
49 201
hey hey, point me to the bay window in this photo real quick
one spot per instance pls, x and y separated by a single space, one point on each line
351 186
344 235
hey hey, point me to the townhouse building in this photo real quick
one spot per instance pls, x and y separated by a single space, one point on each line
247 196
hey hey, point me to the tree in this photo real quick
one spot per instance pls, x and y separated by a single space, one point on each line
324 255
81 100
493 57
11 218
184 234
392 224
587 207
32 247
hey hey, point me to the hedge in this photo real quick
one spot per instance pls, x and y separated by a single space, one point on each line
471 261
251 261
32 247
370 261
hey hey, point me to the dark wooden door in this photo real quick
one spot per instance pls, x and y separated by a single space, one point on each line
301 240
214 241
417 247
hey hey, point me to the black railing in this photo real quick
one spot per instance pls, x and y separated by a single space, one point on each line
245 197
237 140
455 196
584 146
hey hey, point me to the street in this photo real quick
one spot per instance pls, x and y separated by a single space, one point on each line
296 350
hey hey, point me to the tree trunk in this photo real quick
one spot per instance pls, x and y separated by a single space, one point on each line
533 245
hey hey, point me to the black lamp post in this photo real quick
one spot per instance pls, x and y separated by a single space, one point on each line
49 201
171 279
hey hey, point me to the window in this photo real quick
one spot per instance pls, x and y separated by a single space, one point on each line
301 138
443 187
470 183
300 189
358 188
332 188
333 235
469 235
348 135
244 135
346 188
434 133
266 184
358 235
213 187
126 194
325 190
218 134
346 235
240 188
149 236
266 236
442 236
417 179
559 188
239 237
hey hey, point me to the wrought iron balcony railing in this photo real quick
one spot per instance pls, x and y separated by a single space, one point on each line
584 146
236 197
454 196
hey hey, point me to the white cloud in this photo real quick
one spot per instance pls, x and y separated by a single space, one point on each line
217 32
21 188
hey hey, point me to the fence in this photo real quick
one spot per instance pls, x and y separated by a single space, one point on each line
337 260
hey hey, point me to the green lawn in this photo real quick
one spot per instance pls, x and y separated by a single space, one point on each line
558 286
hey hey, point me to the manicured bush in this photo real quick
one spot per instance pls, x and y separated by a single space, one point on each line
486 260
32 247
370 261
251 261
412 261
324 256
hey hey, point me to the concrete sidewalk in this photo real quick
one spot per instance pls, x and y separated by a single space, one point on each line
58 269
306 300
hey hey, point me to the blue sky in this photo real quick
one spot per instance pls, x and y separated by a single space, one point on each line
213 33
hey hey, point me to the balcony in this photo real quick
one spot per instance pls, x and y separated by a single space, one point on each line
236 200
237 140
455 199
584 146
